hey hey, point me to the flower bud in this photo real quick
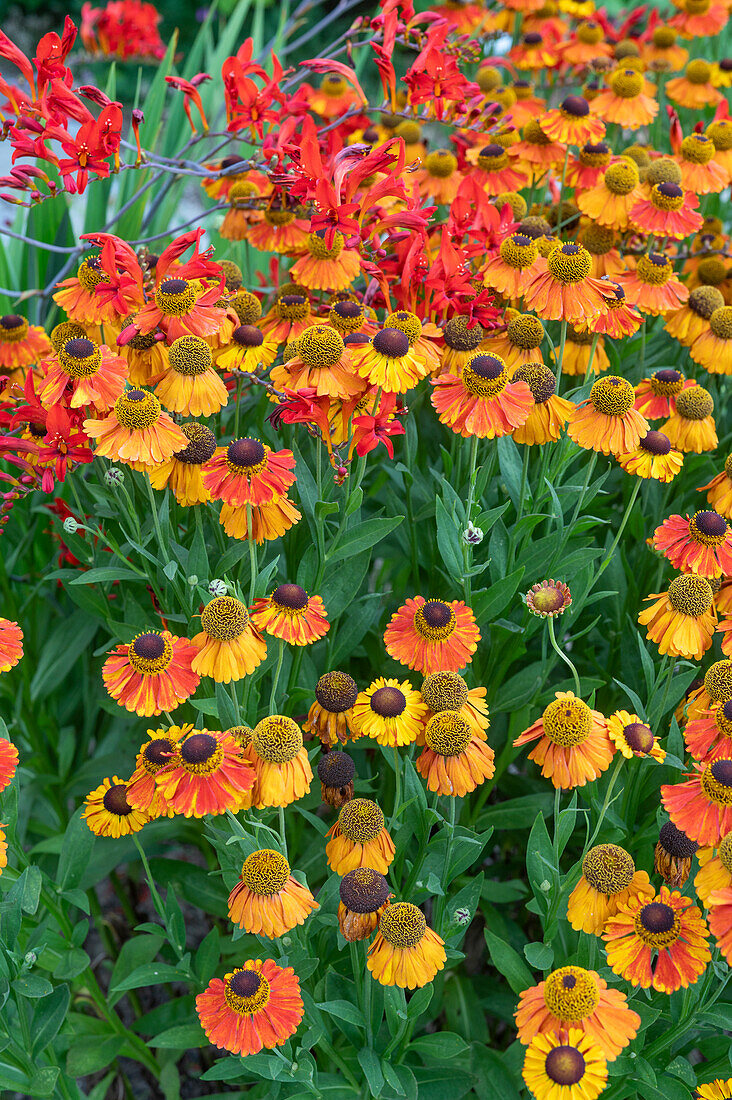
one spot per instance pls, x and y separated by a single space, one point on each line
217 587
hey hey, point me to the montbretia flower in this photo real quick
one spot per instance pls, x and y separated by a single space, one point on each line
255 1006
364 895
267 900
573 745
331 715
152 674
699 544
572 123
136 430
336 772
229 645
564 1065
690 426
280 762
191 385
207 775
290 614
481 401
359 838
608 878
667 926
182 473
577 998
673 855
432 635
454 760
702 805
108 813
654 457
405 952
712 348
607 421
389 711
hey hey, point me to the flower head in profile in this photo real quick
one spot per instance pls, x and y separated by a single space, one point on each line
8 762
11 644
715 869
633 737
654 457
280 762
108 813
359 838
565 1065
152 673
699 544
673 855
21 344
405 952
607 421
608 877
191 385
290 614
267 900
656 396
624 101
482 400
691 426
572 123
719 490
255 1006
514 266
136 430
229 645
548 599
712 348
249 472
682 620
331 715
610 202
143 793
573 746
389 361
336 772
652 285
659 942
446 690
692 319
182 473
454 760
567 291
432 635
702 805
364 895
207 775
389 711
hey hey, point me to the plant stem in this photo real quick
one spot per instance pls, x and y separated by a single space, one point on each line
442 901
283 831
275 679
618 536
253 565
563 655
606 803
467 549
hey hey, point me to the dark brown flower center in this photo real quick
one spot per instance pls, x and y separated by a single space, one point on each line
668 376
248 336
291 596
245 983
173 286
158 751
135 395
532 39
388 702
576 105
198 748
245 453
489 367
149 646
436 613
656 443
391 342
115 800
347 309
363 890
80 348
711 523
11 320
722 771
565 1065
336 769
670 190
676 843
639 737
657 917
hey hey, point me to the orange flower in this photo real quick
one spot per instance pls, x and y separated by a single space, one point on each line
625 102
183 471
331 715
323 363
572 123
143 793
454 760
607 421
481 401
673 855
462 339
521 342
364 895
714 870
573 743
516 264
668 925
390 712
720 924
574 997
702 806
565 1063
493 170
719 491
700 171
180 307
692 319
691 425
190 385
280 231
95 374
323 268
587 168
267 900
669 212
8 762
656 396
438 178
578 351
108 813
288 318
359 838
290 614
248 351
389 361
708 736
652 458
255 1006
229 646
336 772
432 635
136 431
701 544
445 690
151 674
652 286
600 241
405 952
11 644
207 775
608 878
611 200
694 89
535 153
77 298
146 356
681 621
566 291
21 344
249 472
712 349
269 521
280 762
587 44
550 412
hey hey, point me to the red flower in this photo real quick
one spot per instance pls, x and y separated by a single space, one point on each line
191 95
369 431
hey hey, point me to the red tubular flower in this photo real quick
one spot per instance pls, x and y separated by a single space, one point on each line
191 94
370 431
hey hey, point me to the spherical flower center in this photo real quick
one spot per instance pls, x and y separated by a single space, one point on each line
137 410
277 739
655 443
612 396
657 924
80 358
435 620
150 653
705 300
698 71
721 134
290 598
622 177
716 782
336 692
115 800
664 37
518 251
447 733
718 681
13 328
575 106
539 379
667 196
590 32
246 456
567 722
493 158
408 323
667 382
364 890
292 307
571 994
598 239
336 770
695 403
534 134
525 331
548 598
279 218
690 595
485 376
721 323
654 269
201 447
626 83
190 355
247 306
723 719
441 163
388 702
460 337
708 528
175 297
224 618
89 274
391 343
639 737
317 246
242 192
320 346
712 271
565 1066
569 263
157 753
444 691
265 872
346 316
248 336
201 753
675 843
725 852
361 820
608 868
246 992
664 170
402 925
697 148
595 156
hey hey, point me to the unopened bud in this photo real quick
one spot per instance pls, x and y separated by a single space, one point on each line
218 587
71 526
114 476
472 535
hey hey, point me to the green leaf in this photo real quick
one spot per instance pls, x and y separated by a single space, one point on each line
181 1037
149 974
50 1013
75 852
441 1046
508 963
539 858
135 953
448 541
61 649
371 1066
343 1009
488 604
362 537
493 1078
419 1002
539 955
106 573
32 985
88 1055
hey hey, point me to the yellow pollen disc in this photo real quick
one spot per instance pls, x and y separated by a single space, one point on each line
664 170
137 410
242 191
80 358
622 177
410 132
67 330
190 355
444 691
175 297
460 337
716 782
712 270
667 196
718 681
721 134
695 403
721 323
150 653
590 32
402 925
485 376
704 300
626 83
89 275
265 872
664 38
333 85
569 263
292 307
567 721
447 733
571 994
441 163
435 621
317 248
514 200
320 346
361 820
724 852
608 868
698 71
408 323
494 162
224 618
518 251
279 217
728 469
246 992
690 595
525 331
594 157
657 924
277 739
598 240
247 306
612 396
14 328
534 134
697 148
654 269
539 379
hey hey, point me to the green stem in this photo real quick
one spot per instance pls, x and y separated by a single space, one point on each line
154 510
283 832
157 901
442 901
560 356
563 655
618 536
275 678
367 987
606 802
467 549
591 361
397 787
253 565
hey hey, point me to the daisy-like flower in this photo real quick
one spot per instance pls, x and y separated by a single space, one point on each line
533 52
661 54
720 132
183 471
95 374
21 344
249 472
673 855
669 212
191 386
143 793
607 421
229 646
572 123
716 687
652 286
421 336
633 737
454 760
445 690
719 1089
690 426
656 396
336 772
364 895
405 951
8 762
712 348
700 171
578 998
702 806
280 761
565 1065
269 521
625 101
108 813
600 241
669 925
323 268
681 621
694 89
692 319
573 746
390 712
207 775
535 153
715 871
587 168
359 838
462 340
136 430
290 614
255 1006
248 351
331 715
608 878
244 211
550 412
548 599
347 316
390 362
267 900
180 307
578 351
432 635
77 298
718 490
438 178
146 356
494 170
521 342
720 923
322 362
481 401
566 291
280 231
701 544
611 200
11 644
151 674
288 318
514 266
654 458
